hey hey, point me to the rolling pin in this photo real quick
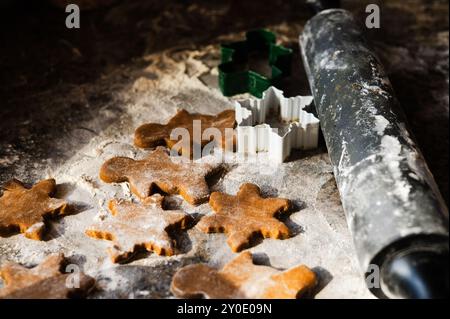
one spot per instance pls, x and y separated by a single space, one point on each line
394 210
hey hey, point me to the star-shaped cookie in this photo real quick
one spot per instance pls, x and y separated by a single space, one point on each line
153 134
45 281
244 216
25 210
240 278
158 170
135 226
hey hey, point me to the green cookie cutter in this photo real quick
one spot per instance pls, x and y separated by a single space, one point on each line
234 75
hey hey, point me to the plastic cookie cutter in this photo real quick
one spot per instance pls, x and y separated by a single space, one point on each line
235 77
297 129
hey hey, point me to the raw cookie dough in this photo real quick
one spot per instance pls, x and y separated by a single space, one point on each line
157 169
132 226
153 134
45 281
24 210
240 278
245 215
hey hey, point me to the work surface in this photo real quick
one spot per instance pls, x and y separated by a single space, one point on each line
72 99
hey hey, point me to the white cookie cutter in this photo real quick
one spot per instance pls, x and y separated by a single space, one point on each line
254 135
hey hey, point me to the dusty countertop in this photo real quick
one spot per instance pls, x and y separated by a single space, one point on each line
71 99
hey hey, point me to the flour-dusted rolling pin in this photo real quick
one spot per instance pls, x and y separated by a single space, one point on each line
397 217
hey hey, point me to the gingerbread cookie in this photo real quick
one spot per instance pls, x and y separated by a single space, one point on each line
25 210
157 170
240 278
133 226
45 281
153 134
245 215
